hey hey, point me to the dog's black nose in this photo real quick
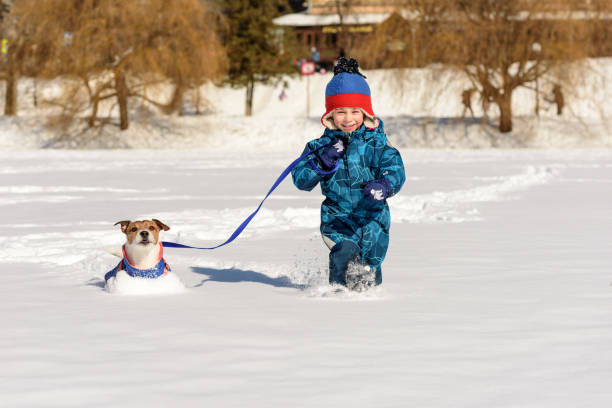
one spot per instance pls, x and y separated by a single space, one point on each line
144 234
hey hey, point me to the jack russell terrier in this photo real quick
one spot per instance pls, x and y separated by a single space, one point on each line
142 253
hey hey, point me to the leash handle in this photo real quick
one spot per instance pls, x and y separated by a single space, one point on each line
244 223
321 171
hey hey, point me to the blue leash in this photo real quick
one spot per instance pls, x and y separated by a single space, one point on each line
279 180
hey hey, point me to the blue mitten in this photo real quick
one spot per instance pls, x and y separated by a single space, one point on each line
330 155
377 190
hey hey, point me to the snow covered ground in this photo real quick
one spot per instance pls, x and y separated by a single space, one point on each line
421 108
496 286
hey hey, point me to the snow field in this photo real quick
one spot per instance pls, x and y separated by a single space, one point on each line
58 247
496 287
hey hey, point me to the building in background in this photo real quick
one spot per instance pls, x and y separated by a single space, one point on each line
338 28
333 27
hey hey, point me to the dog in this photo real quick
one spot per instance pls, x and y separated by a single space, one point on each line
142 253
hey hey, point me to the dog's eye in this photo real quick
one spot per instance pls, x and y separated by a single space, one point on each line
134 229
152 228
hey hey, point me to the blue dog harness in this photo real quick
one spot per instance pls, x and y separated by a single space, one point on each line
160 269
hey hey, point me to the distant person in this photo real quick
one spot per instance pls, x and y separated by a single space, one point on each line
358 171
316 56
466 100
558 98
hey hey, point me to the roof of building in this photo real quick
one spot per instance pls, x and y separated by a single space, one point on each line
307 20
311 20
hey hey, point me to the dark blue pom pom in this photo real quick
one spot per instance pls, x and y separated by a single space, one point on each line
350 66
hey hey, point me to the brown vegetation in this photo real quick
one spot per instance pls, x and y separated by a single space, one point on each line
115 50
500 45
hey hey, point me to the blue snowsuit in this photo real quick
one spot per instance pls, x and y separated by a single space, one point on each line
354 225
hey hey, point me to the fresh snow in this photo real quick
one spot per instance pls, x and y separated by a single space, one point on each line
124 284
496 288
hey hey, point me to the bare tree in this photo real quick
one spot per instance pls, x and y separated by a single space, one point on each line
409 37
8 69
504 44
25 50
343 8
114 50
499 45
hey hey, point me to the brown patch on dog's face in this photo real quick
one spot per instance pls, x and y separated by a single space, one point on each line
142 232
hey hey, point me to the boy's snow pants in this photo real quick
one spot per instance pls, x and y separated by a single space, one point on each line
369 242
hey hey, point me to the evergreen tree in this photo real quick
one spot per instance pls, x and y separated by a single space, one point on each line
257 52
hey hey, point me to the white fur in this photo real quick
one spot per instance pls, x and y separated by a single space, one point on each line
116 252
142 256
369 121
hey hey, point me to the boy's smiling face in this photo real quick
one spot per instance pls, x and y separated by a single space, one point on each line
348 119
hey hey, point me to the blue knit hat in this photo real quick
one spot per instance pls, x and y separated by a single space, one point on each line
348 89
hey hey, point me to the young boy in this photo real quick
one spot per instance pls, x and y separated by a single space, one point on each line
358 170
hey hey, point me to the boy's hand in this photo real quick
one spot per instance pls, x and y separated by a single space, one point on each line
330 155
376 190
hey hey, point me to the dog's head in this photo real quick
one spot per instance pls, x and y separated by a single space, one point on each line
142 232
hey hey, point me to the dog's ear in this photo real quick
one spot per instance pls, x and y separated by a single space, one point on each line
161 225
124 225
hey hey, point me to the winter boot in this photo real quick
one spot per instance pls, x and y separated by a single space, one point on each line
359 275
339 257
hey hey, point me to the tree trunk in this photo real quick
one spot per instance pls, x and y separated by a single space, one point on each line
176 104
122 98
94 112
505 112
10 99
249 97
198 100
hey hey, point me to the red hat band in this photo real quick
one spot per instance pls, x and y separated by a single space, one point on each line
349 100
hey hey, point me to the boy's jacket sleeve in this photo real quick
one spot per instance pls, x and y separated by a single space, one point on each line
391 167
303 175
